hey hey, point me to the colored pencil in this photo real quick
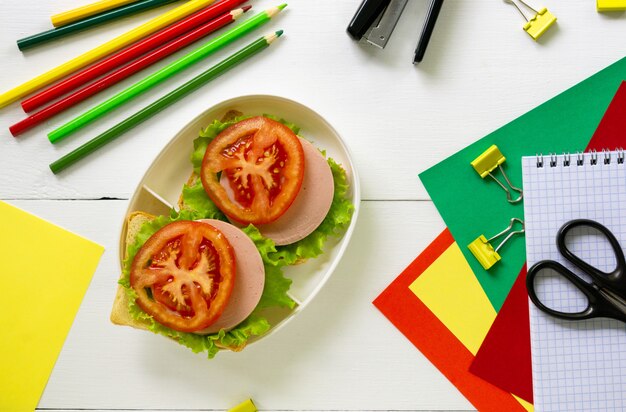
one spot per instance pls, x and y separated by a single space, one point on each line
125 71
162 103
49 35
163 74
103 50
128 54
80 13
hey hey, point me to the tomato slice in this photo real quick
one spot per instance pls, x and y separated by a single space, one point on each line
184 275
264 163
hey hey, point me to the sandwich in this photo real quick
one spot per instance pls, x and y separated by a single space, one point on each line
260 198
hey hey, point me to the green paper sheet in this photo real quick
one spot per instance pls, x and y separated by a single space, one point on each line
471 206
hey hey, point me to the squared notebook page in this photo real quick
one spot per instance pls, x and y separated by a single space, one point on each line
577 366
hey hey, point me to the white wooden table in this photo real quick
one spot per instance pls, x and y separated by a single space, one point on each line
480 71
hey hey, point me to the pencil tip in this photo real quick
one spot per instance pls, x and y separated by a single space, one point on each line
246 8
279 33
282 6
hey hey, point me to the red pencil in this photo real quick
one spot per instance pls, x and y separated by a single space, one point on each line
124 56
125 71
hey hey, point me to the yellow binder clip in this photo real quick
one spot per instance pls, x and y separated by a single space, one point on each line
484 252
487 162
611 5
539 23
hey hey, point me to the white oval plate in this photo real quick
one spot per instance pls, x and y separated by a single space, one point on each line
160 187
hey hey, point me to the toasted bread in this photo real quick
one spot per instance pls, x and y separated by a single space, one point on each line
119 312
190 182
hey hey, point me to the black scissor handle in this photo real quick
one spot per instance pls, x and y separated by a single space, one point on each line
592 310
615 280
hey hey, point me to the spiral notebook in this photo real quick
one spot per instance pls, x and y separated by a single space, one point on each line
577 366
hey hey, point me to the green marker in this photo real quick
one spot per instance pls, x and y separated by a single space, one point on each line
164 74
165 101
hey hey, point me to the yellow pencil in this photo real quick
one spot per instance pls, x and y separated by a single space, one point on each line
88 10
102 50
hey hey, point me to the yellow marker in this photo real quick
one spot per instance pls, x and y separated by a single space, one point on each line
484 252
537 25
102 50
611 5
88 10
245 406
487 162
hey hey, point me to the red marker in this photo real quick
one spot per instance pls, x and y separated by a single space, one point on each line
128 54
126 71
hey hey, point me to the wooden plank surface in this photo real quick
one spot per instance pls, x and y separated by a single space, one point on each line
480 71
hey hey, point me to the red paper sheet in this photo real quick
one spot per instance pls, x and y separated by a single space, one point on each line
611 132
433 339
504 357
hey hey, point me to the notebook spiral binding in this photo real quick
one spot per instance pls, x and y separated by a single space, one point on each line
578 159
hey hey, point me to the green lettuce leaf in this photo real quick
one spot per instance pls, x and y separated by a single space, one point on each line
196 201
276 285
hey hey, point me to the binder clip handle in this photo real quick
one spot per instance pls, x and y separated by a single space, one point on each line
510 232
520 10
509 198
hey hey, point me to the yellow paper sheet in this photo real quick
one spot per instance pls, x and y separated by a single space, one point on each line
451 291
45 271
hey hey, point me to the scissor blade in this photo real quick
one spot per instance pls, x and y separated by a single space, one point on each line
617 302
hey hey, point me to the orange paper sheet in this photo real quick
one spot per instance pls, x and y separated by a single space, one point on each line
47 270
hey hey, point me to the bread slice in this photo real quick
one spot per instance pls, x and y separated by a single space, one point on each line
193 179
119 312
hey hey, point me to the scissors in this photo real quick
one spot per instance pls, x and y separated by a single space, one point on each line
606 293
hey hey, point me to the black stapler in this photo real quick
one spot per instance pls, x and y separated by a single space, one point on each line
375 20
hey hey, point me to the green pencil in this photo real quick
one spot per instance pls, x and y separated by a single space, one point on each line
35 39
165 101
163 74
